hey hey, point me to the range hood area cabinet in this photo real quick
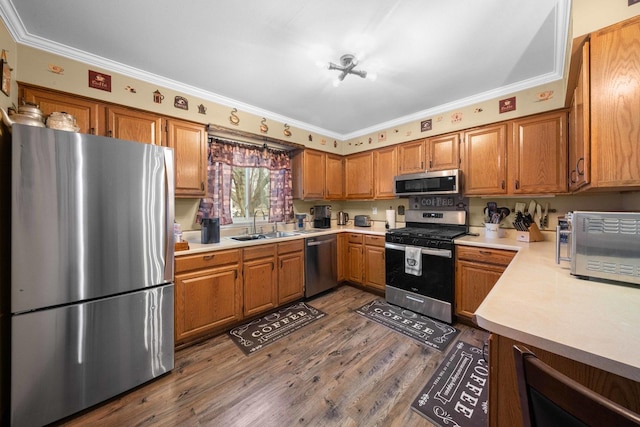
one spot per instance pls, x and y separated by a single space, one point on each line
523 156
433 154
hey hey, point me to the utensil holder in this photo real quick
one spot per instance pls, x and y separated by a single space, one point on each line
492 230
533 235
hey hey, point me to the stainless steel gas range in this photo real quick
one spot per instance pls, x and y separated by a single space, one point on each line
419 259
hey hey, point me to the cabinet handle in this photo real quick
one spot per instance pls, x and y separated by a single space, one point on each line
517 184
581 159
572 176
502 184
430 164
421 165
92 131
202 186
110 134
207 257
273 266
485 252
280 263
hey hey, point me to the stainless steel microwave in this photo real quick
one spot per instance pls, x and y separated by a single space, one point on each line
426 183
603 245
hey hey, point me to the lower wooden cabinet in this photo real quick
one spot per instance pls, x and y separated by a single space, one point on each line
477 270
355 258
208 294
374 270
290 271
260 290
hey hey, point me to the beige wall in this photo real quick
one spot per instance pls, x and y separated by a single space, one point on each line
591 15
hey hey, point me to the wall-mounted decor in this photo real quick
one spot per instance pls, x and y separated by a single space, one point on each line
233 118
130 89
158 97
335 144
506 105
181 102
202 109
99 81
426 125
286 130
323 142
55 69
382 136
263 126
310 137
546 95
5 71
478 110
633 2
456 117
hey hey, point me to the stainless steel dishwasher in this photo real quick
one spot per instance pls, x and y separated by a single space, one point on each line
320 268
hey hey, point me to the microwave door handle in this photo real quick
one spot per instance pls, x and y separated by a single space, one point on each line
444 253
559 233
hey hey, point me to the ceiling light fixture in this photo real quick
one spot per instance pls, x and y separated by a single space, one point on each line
348 64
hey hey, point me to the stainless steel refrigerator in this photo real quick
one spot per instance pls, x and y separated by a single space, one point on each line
91 270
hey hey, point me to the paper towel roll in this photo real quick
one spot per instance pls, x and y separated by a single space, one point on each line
391 218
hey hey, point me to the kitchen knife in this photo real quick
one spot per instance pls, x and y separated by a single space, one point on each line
532 208
539 214
545 218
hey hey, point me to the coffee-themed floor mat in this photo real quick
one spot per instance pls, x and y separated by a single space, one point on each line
457 393
416 326
261 332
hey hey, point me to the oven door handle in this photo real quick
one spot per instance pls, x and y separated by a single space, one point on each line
444 253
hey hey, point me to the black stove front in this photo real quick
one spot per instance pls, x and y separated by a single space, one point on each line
420 269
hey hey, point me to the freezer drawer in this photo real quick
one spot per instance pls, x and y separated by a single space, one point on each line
68 358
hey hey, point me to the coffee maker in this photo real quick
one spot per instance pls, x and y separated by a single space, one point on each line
322 216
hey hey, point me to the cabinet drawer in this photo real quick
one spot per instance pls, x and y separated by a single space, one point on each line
208 259
261 251
374 240
292 246
355 238
485 255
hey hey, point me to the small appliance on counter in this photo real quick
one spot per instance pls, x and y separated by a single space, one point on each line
343 218
602 245
300 219
321 216
210 230
362 221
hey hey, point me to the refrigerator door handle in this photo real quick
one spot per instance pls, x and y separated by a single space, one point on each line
170 215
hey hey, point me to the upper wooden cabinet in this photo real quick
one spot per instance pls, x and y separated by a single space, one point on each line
485 160
538 157
615 90
309 174
189 143
358 170
411 157
134 125
89 115
334 177
579 130
385 168
443 152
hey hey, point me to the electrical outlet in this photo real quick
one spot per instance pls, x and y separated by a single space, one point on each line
374 211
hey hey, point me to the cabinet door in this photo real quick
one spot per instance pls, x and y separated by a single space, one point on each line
443 152
189 142
485 160
579 131
411 157
133 125
87 112
260 286
385 167
290 277
374 270
473 283
359 176
334 177
615 90
308 175
205 301
539 154
354 258
343 257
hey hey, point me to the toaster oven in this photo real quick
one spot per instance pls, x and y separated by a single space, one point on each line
602 245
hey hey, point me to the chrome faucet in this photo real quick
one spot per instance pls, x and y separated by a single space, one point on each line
254 219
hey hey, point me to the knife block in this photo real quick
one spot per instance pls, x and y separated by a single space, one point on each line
533 235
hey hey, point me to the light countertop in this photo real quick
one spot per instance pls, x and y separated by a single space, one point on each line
539 303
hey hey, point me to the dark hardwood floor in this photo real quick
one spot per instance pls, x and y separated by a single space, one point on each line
342 370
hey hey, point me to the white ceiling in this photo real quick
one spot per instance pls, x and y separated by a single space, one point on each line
270 58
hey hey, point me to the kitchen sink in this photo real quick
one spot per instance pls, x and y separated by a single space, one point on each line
272 235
